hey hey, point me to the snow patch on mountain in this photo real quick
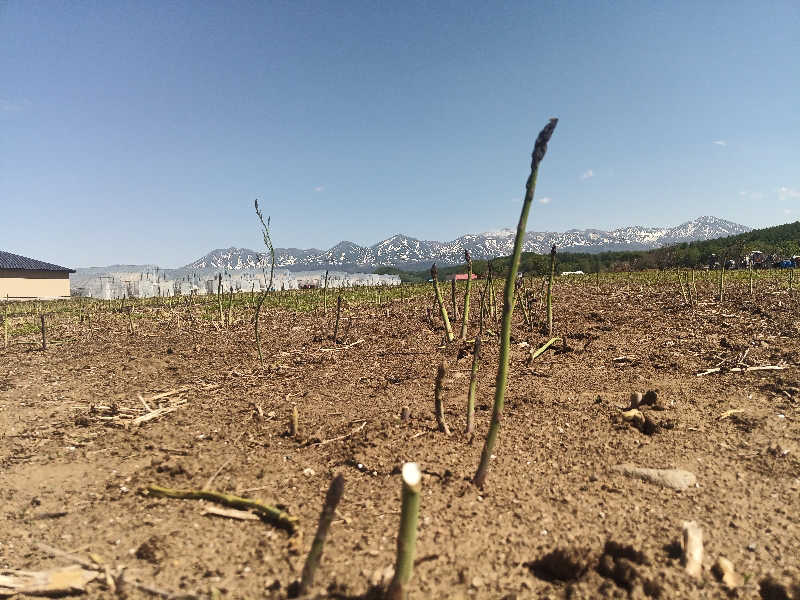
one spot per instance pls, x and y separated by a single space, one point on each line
406 252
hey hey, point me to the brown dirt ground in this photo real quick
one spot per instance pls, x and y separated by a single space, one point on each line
555 520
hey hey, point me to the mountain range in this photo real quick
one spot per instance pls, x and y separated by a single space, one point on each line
405 252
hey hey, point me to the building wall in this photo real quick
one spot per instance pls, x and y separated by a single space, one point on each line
17 283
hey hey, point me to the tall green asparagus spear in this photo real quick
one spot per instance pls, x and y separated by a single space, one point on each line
465 313
550 290
539 150
440 302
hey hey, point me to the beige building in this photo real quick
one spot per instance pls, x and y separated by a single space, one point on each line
29 279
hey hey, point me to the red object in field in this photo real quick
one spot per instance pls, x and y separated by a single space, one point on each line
463 276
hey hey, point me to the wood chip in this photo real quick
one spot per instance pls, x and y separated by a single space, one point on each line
730 412
742 370
54 582
724 571
159 412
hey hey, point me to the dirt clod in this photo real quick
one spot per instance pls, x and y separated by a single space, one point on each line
562 564
151 550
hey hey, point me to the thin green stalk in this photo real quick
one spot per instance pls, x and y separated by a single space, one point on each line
453 297
473 376
268 243
523 300
407 536
494 298
438 395
683 290
539 150
490 290
271 514
261 297
465 314
473 385
219 301
440 302
539 351
325 295
550 290
230 306
338 313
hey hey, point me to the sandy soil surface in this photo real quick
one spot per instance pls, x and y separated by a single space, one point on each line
556 518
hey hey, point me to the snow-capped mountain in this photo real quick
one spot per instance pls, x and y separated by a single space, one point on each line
407 252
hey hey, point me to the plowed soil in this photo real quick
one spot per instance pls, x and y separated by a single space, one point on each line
555 519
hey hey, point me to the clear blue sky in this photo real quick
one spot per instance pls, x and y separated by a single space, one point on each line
141 132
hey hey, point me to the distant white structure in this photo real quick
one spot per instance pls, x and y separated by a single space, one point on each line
153 282
573 273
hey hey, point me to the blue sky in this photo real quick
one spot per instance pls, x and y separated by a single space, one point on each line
142 132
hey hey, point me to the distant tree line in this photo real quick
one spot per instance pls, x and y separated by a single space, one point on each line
781 240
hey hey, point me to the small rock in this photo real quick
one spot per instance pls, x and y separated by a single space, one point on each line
724 571
633 415
381 577
676 479
651 399
308 472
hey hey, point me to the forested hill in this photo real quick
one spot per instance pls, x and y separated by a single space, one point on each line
783 240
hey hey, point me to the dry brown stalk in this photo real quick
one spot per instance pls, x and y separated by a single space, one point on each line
441 373
440 302
44 332
338 313
294 424
342 437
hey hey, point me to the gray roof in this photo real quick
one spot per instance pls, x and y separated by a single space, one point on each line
15 261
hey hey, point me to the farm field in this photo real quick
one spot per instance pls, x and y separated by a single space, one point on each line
557 518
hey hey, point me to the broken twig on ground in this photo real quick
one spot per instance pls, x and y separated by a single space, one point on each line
269 513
